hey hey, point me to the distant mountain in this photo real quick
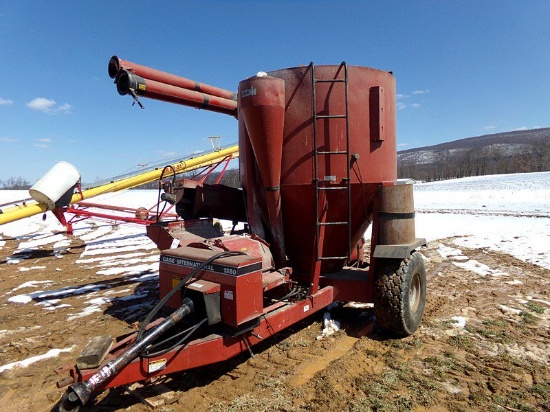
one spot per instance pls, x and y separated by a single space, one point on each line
510 152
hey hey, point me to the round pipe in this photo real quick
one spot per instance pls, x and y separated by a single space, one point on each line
116 64
128 82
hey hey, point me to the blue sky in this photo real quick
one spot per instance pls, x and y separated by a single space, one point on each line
463 68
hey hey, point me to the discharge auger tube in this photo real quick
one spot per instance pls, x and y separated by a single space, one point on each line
130 83
116 64
79 394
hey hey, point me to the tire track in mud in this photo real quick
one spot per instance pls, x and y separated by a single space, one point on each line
307 370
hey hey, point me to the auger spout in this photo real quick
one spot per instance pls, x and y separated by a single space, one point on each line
137 80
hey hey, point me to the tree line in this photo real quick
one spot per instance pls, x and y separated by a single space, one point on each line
15 183
479 161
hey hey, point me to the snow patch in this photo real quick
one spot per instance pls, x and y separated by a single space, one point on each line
479 268
459 322
32 284
446 252
64 292
506 309
52 353
330 326
32 268
86 312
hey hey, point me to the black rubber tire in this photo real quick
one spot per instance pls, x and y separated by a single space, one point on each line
400 294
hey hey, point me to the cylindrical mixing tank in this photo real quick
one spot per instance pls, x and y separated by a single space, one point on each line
330 137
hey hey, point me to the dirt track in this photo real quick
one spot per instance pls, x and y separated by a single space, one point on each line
498 360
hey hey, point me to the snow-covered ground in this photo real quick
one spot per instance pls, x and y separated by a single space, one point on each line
525 194
508 213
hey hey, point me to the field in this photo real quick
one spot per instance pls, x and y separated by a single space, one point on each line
484 343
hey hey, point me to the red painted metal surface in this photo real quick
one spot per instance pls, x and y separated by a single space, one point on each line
262 106
128 82
240 279
116 64
249 244
168 235
215 348
373 162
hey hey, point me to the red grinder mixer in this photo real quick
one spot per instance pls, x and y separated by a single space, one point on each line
317 159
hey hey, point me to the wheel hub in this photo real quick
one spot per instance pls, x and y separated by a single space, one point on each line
414 293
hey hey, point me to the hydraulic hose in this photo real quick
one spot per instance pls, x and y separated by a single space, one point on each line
186 334
171 185
180 285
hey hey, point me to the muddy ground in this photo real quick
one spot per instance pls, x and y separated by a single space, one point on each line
484 343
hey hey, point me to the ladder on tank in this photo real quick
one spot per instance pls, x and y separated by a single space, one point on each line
345 185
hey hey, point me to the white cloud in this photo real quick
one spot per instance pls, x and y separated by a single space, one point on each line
401 106
65 108
48 106
41 104
5 102
43 143
522 128
7 139
490 127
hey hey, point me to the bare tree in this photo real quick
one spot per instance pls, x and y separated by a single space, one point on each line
16 183
541 154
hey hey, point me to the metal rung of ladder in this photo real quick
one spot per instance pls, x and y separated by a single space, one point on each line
332 188
333 152
331 116
330 80
332 257
317 153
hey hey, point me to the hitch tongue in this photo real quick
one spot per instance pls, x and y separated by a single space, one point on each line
78 394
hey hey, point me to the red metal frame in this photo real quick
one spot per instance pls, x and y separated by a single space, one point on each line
85 210
210 169
212 349
81 212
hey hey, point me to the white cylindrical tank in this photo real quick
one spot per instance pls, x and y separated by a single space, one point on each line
61 178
